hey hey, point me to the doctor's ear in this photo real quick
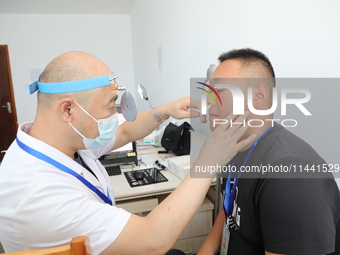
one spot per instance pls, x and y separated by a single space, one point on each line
66 108
260 96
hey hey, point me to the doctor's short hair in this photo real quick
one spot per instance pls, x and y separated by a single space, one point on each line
254 63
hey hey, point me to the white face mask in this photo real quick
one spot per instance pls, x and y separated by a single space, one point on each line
107 129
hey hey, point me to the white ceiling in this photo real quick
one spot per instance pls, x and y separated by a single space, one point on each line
67 6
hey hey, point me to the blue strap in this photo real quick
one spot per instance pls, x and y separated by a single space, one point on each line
230 194
64 168
71 86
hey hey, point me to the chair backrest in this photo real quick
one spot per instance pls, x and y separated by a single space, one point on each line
79 245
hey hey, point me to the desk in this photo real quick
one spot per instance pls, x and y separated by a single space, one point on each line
142 199
123 191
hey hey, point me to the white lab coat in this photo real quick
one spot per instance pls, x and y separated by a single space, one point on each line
42 206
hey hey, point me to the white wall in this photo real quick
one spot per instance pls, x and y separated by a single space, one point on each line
35 39
299 37
161 25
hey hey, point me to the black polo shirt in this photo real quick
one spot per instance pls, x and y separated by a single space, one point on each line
292 212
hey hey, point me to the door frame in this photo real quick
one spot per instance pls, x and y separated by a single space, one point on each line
10 89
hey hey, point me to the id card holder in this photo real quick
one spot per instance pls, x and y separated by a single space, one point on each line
225 239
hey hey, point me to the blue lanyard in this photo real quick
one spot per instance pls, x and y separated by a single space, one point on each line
229 196
64 168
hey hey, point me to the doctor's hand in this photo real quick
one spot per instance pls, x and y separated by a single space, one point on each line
225 142
179 109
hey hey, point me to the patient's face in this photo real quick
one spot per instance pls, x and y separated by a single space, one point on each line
227 69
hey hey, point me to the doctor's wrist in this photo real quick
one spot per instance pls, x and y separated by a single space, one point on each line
159 114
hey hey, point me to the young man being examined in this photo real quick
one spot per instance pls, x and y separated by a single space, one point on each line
270 213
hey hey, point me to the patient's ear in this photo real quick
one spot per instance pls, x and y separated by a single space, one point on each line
260 96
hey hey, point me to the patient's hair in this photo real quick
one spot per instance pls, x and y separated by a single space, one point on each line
254 63
255 68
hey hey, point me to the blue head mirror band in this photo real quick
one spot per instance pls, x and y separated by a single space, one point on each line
128 103
71 86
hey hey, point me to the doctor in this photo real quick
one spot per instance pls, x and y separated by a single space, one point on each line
52 187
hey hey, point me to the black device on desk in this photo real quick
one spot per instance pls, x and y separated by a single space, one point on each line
122 155
143 177
113 170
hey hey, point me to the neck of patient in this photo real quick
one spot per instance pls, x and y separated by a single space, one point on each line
257 130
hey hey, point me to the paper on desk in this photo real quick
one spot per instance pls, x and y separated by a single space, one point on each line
196 142
147 159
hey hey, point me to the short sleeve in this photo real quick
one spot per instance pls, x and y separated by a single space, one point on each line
298 216
64 211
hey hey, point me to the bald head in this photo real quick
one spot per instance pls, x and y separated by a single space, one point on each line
71 66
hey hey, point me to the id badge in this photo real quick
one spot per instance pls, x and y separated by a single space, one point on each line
225 239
